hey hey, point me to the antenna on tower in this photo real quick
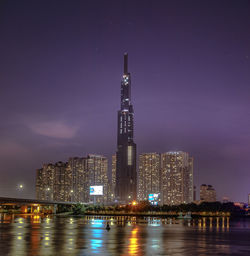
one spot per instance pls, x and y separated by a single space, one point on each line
125 63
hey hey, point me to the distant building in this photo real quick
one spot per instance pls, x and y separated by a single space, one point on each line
248 199
149 175
80 186
62 182
207 193
194 196
113 177
176 178
45 182
71 181
54 182
225 199
97 169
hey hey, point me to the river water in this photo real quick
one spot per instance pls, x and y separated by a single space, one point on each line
33 235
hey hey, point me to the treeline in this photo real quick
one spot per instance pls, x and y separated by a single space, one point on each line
145 207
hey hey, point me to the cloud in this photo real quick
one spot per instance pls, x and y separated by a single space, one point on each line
55 129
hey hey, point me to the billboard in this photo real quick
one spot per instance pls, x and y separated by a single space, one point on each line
96 190
153 198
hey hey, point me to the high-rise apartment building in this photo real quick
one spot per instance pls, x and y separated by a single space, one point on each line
177 178
54 182
149 176
126 148
62 182
80 188
207 193
113 177
71 181
45 182
97 169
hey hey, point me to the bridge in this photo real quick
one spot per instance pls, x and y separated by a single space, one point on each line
33 206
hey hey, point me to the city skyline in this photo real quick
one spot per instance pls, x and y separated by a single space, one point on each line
60 86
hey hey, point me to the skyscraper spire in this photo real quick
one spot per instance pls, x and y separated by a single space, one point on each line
125 63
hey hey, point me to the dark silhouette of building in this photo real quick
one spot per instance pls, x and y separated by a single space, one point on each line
126 148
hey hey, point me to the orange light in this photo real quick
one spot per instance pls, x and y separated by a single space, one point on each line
134 203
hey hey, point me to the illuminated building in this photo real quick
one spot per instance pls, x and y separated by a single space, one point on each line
80 186
45 182
97 171
207 193
126 148
149 175
54 182
113 176
62 182
177 178
249 199
71 181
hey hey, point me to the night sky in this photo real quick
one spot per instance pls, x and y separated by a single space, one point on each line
61 64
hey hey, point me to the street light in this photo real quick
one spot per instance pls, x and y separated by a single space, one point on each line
20 186
71 193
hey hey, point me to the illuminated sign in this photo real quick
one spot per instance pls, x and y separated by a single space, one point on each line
153 199
96 190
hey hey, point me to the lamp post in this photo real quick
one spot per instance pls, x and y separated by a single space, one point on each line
71 193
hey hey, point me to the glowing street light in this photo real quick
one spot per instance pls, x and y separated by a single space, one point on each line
134 203
20 186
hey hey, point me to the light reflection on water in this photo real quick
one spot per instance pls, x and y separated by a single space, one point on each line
33 235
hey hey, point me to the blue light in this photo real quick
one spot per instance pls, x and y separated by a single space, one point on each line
97 223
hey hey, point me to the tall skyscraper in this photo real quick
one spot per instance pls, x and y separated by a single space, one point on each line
126 148
207 193
149 175
177 178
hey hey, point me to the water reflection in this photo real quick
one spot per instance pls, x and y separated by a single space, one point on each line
133 242
33 235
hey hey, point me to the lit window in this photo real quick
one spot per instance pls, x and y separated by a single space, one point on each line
130 149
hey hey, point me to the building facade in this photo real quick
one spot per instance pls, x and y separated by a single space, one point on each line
207 193
54 182
71 181
80 189
149 175
113 178
177 178
97 169
126 177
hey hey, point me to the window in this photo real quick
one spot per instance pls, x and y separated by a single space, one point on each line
130 157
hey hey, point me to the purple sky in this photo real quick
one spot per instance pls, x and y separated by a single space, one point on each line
60 72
